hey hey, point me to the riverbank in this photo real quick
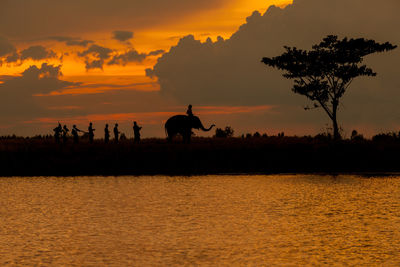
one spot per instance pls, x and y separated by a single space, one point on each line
42 157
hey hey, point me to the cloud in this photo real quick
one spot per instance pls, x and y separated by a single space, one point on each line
122 36
6 47
41 18
70 41
37 52
94 64
98 51
132 56
229 72
12 58
17 93
156 52
127 57
95 56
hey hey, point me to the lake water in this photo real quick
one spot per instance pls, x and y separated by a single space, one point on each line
206 221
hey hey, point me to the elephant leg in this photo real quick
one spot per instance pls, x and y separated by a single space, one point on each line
186 136
170 137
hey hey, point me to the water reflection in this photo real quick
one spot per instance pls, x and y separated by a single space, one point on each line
223 220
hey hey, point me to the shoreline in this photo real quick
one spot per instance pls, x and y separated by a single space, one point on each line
323 174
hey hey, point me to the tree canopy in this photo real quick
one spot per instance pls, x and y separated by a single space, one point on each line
324 73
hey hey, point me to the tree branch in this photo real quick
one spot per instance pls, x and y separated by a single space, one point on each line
326 109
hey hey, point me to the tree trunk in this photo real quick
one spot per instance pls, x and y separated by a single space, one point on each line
336 134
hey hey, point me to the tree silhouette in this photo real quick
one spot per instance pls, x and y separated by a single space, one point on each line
221 133
324 73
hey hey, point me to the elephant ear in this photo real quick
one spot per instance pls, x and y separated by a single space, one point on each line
195 122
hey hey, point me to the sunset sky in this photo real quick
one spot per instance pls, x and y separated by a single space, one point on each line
124 60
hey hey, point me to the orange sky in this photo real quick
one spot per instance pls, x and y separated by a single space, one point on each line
122 91
210 23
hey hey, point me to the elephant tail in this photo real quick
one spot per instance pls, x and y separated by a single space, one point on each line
165 129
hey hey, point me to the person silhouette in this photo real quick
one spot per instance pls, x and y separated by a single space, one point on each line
74 133
65 131
189 111
106 134
116 133
91 133
136 132
57 132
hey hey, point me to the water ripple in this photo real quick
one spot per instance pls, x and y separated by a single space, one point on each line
208 220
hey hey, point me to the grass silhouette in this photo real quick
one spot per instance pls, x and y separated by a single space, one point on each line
41 156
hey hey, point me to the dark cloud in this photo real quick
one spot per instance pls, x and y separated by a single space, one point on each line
156 52
18 93
97 51
132 56
150 73
229 72
41 18
94 64
48 76
37 52
6 47
95 56
12 58
83 43
122 36
70 41
127 57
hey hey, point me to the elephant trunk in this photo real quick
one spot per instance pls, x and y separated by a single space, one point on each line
206 130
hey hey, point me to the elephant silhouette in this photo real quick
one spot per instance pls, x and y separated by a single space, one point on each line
183 125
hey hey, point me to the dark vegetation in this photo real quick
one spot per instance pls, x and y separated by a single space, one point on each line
224 133
251 153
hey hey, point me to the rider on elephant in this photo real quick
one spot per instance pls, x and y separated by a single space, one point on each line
183 125
189 111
